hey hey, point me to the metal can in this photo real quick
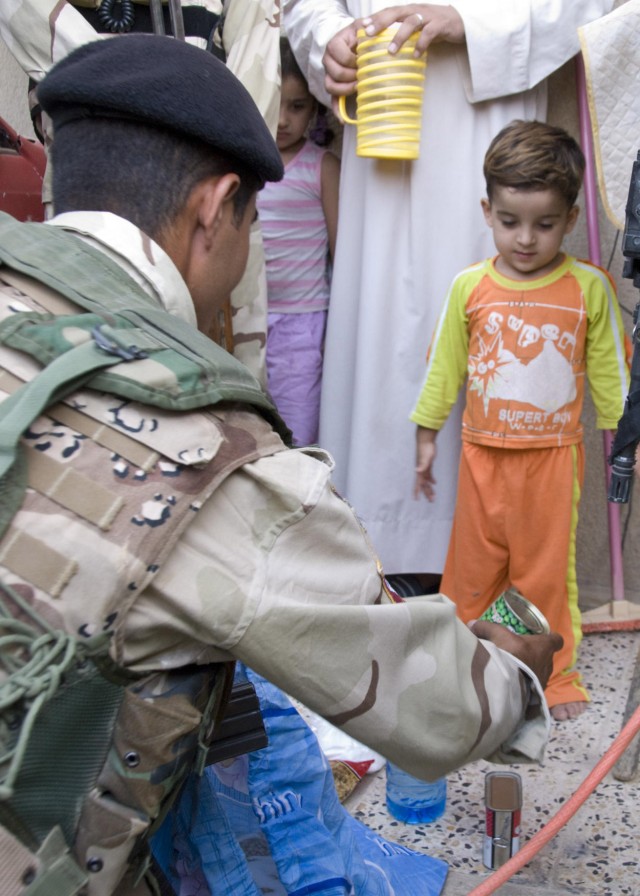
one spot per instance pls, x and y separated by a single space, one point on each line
503 806
517 614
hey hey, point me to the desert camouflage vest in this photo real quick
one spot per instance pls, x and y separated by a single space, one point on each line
94 492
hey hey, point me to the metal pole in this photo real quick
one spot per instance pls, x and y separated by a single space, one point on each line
177 21
157 19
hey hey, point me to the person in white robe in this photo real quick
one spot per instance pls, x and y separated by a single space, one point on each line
405 230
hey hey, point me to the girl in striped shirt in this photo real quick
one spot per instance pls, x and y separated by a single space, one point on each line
299 216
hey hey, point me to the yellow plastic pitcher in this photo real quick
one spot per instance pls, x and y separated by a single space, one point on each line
388 98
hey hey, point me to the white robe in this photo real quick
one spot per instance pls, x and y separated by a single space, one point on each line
405 229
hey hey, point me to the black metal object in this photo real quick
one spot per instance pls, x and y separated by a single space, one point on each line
623 452
198 21
241 729
177 21
157 18
175 14
117 16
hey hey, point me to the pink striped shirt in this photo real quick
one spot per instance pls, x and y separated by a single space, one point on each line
295 235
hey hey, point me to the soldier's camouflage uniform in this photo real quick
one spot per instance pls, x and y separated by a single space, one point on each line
273 569
246 34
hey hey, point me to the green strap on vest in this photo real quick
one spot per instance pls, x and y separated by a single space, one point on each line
51 871
66 373
60 874
61 684
62 376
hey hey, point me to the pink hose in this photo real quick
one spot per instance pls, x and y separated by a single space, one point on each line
567 811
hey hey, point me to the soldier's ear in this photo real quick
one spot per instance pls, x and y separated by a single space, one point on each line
216 202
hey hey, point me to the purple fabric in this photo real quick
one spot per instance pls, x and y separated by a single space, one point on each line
295 345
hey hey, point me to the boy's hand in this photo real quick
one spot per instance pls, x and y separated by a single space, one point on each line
425 456
535 651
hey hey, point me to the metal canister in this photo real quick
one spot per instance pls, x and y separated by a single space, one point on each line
517 614
503 806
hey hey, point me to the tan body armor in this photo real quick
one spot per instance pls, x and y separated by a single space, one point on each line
109 494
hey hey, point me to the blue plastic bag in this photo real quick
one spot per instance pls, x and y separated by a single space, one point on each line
271 822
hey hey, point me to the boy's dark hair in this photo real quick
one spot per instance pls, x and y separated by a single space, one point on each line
135 170
532 155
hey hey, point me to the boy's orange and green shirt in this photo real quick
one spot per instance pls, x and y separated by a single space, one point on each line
525 348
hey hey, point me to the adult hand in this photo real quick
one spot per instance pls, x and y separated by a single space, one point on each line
339 62
535 651
435 24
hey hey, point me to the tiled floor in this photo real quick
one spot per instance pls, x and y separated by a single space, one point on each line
598 851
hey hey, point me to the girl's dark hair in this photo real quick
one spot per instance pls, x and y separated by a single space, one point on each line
320 133
288 63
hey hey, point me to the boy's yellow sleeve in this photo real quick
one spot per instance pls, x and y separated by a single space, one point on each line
447 359
607 362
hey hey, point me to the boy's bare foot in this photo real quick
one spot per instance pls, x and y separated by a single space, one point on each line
562 712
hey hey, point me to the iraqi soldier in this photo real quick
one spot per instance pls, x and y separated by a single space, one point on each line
243 33
167 529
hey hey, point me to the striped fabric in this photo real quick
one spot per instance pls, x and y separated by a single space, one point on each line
295 236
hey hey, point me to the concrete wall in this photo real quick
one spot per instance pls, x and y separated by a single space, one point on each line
593 539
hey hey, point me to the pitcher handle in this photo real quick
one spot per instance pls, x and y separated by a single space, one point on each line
342 106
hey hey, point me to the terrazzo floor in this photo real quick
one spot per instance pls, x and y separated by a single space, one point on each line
598 850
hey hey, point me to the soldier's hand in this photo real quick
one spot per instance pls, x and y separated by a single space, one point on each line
535 651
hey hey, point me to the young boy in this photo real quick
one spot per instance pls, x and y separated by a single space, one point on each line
524 328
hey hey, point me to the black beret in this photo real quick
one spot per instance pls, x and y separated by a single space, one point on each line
164 82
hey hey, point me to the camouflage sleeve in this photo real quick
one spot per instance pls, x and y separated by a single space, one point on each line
41 32
281 576
310 25
251 38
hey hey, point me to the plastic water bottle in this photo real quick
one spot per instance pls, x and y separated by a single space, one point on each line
414 801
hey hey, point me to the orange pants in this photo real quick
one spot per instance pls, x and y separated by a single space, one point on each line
515 524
